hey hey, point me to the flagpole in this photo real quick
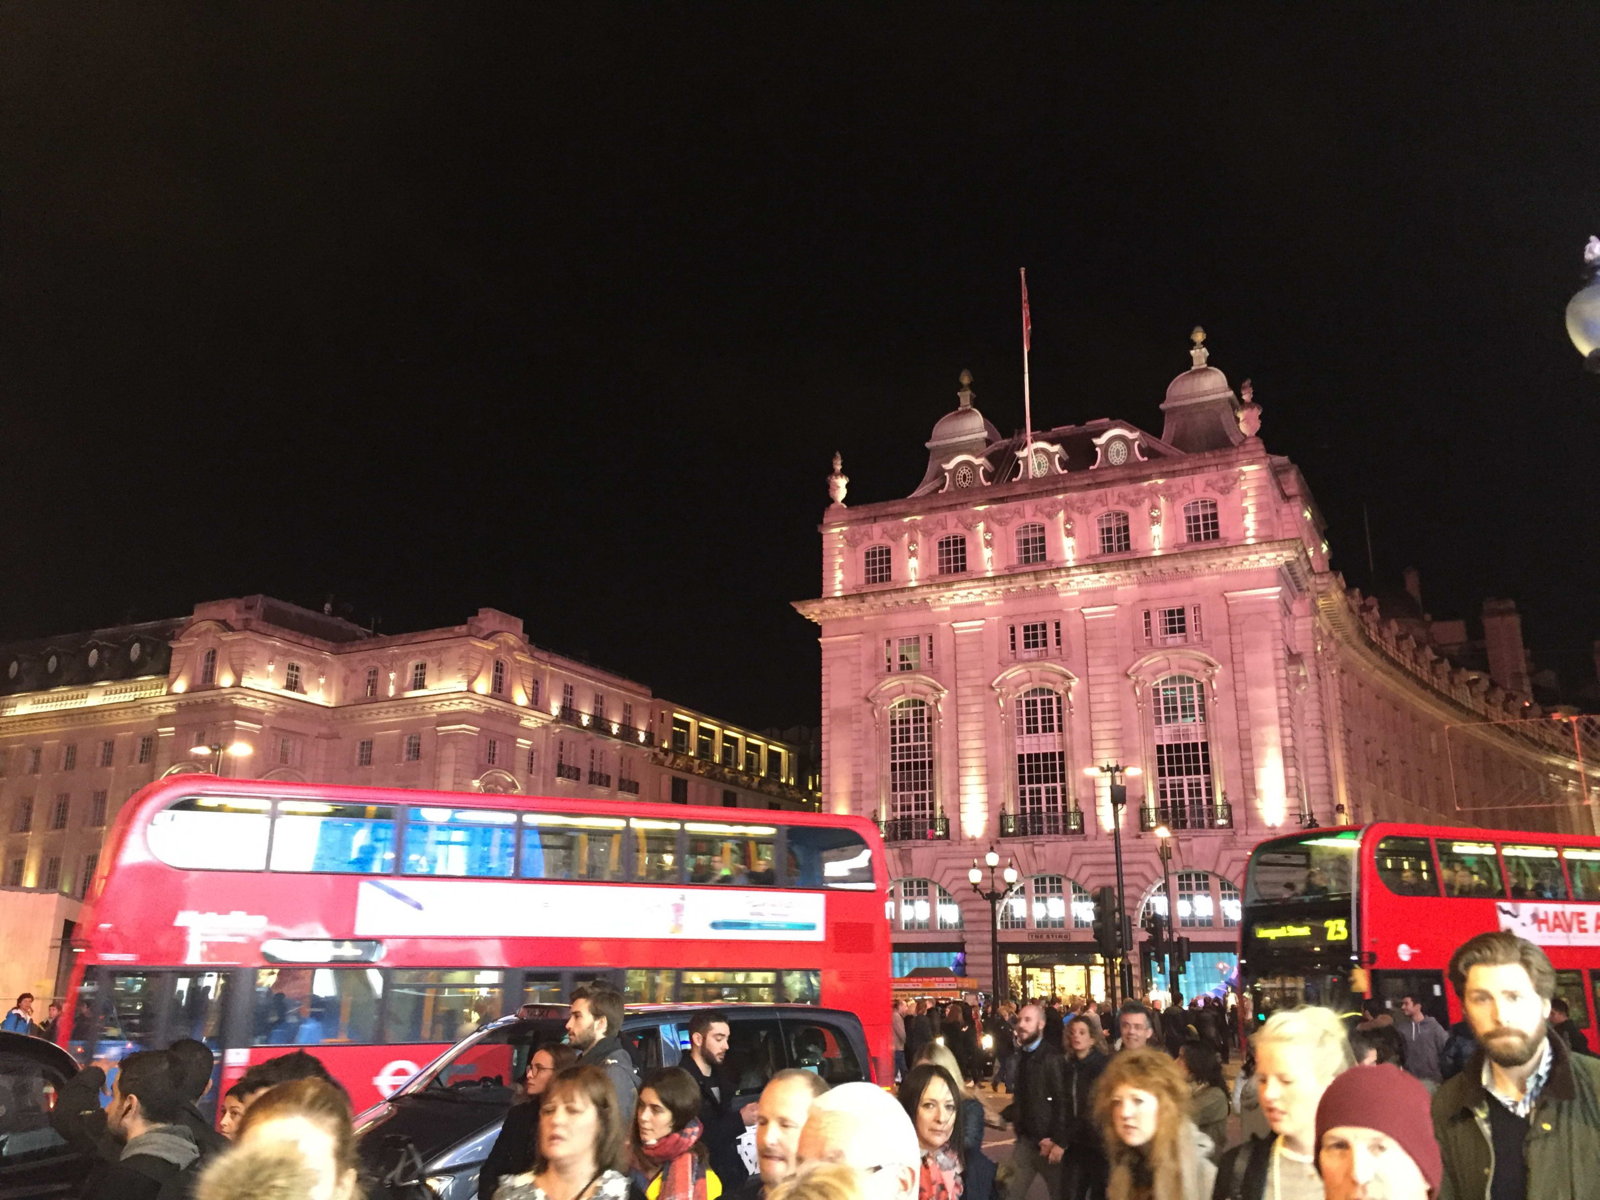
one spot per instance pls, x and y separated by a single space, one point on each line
1027 398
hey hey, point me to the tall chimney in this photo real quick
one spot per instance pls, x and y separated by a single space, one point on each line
1502 643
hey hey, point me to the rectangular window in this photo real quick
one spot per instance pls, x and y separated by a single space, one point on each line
292 681
333 837
1583 867
307 1006
147 748
1200 522
413 747
1469 868
569 697
364 752
908 653
285 752
952 554
1172 626
730 799
14 870
91 863
571 847
599 709
497 679
5 756
97 810
440 1006
627 714
680 790
680 734
467 841
1035 638
533 761
371 687
752 758
69 756
1534 872
1116 533
52 873
491 753
655 850
23 821
774 763
208 668
60 810
35 755
538 690
704 740
877 564
1030 544
730 749
1569 986
230 835
419 676
108 752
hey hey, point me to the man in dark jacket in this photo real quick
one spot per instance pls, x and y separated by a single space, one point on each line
919 1029
594 1027
1561 1021
723 1123
1522 1120
1082 1154
1039 1111
144 1116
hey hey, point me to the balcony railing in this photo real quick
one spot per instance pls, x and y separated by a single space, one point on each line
1192 817
570 715
630 786
599 779
915 829
1042 824
568 771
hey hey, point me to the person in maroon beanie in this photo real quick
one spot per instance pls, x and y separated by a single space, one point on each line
1375 1137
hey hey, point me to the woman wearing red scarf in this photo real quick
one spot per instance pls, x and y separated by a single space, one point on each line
932 1099
669 1160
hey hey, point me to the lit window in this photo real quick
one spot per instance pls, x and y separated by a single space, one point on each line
910 761
208 668
1116 533
1183 753
1030 543
1200 522
413 747
1049 901
419 676
923 904
1042 796
952 554
497 679
291 678
364 752
371 688
877 565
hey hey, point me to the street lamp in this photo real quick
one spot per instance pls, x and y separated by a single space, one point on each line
1116 773
1164 848
218 751
994 894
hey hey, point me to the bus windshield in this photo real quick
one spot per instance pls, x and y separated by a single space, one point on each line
1314 867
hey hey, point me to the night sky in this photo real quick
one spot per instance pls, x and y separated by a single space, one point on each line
429 306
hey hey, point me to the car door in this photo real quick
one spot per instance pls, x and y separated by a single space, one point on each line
827 1044
34 1160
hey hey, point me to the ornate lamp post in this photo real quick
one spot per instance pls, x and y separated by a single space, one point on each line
1164 848
1117 774
994 894
219 751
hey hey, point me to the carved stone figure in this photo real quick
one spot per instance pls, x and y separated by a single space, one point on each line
838 482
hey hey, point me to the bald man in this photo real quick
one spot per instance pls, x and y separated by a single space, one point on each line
780 1116
860 1125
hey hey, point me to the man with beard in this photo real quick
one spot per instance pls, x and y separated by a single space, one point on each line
1523 1118
1039 1111
594 1029
723 1121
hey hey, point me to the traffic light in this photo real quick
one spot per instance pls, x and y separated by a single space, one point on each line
1180 955
1107 922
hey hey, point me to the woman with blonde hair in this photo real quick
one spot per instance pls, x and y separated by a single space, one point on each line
1298 1053
295 1140
1153 1148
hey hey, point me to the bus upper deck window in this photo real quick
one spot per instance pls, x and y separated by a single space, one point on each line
729 853
830 858
1534 872
1405 864
1583 867
1470 869
655 850
460 841
310 835
561 847
222 833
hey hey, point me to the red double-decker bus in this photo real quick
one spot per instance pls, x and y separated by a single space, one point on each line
1335 915
375 927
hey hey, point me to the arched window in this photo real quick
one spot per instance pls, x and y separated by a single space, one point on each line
921 904
877 564
1042 796
497 678
1205 901
419 676
1116 532
1200 522
911 761
1030 543
952 554
1184 797
208 668
1047 902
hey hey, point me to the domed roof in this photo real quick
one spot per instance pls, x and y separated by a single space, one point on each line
958 426
1199 382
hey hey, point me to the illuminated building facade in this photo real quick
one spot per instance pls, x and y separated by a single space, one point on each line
1047 604
261 688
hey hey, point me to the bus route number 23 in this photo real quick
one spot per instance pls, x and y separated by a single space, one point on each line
1337 929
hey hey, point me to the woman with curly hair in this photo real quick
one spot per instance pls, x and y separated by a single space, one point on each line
669 1154
1155 1151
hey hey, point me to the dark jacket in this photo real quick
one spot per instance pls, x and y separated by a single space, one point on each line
210 1143
1459 1047
1040 1109
977 1176
1080 1075
918 1030
147 1164
1574 1037
617 1063
1209 1110
80 1120
514 1148
1563 1140
1242 1172
722 1123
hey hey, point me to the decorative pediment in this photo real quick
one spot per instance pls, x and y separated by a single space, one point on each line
965 472
1118 446
1038 459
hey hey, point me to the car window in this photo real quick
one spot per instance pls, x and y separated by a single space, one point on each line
755 1053
823 1047
643 1044
28 1090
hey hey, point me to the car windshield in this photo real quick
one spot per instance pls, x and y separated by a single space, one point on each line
486 1066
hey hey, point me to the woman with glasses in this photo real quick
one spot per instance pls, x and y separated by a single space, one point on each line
518 1142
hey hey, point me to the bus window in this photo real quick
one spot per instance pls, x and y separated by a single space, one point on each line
460 841
802 987
653 986
311 1006
1469 868
312 836
1583 867
737 854
834 858
440 1006
1569 986
571 847
542 989
655 851
1534 873
1405 864
212 832
1319 866
719 987
197 1007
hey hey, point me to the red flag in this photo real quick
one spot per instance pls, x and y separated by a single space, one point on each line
1027 321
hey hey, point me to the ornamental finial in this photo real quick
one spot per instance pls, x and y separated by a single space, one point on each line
838 482
966 393
1199 353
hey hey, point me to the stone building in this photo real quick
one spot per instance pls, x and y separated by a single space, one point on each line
1046 605
261 688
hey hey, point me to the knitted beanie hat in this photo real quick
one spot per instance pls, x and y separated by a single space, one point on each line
1387 1099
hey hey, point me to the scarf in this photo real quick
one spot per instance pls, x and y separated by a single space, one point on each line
940 1177
673 1158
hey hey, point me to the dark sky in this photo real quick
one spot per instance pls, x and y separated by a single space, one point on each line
438 305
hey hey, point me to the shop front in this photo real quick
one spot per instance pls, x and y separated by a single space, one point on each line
1044 964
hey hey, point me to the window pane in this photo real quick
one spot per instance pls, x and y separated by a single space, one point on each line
1470 869
571 847
655 851
440 1006
755 1055
1583 866
462 841
1406 866
1534 872
311 1006
653 986
819 1047
223 834
1569 986
312 836
835 858
736 854
718 987
30 1094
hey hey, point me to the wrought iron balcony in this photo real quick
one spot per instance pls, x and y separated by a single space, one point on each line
630 786
568 771
600 779
570 715
915 829
1042 824
1194 818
